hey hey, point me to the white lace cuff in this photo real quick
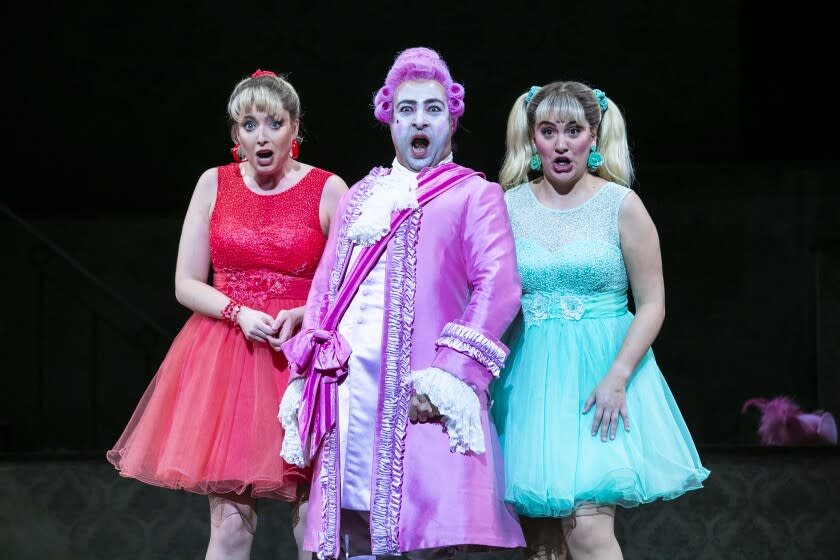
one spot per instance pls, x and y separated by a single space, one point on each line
291 451
458 403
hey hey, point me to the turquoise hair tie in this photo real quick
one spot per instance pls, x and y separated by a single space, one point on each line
602 99
531 93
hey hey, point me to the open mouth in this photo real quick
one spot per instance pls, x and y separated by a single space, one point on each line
419 145
561 164
264 154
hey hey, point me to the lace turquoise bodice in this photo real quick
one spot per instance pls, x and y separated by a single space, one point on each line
569 260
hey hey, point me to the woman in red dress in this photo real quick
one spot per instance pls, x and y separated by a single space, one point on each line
207 422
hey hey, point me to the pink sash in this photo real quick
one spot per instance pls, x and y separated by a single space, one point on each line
322 352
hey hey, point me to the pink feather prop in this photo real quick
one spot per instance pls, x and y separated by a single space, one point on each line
784 423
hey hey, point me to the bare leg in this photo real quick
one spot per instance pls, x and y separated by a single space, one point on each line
299 529
544 538
590 533
233 521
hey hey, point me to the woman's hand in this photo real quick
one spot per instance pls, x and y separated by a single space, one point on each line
285 325
610 401
256 325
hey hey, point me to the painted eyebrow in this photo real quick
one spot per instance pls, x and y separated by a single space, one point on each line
425 101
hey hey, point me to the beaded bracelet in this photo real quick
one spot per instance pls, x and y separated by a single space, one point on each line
231 312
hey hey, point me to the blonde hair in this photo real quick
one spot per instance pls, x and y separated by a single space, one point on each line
567 101
266 93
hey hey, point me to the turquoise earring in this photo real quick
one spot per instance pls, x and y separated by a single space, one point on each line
536 163
595 159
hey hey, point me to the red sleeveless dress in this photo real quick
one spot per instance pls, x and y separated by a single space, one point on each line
207 423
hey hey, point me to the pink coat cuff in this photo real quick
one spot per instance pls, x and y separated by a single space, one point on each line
472 356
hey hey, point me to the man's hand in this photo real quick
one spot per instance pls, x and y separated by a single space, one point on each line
421 409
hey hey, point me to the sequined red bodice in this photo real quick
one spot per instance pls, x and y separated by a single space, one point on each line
266 245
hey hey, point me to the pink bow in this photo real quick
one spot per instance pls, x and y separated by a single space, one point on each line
321 355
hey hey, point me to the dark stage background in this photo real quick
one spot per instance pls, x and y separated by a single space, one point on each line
736 154
116 109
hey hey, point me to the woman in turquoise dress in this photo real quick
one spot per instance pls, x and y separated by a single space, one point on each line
585 417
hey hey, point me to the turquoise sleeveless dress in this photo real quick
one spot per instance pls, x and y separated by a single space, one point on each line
573 322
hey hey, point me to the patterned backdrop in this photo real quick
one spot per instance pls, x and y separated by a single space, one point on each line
758 503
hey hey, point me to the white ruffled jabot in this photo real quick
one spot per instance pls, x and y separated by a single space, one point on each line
390 193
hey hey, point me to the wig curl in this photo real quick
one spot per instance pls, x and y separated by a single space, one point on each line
418 63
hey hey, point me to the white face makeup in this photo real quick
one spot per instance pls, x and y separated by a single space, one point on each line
421 129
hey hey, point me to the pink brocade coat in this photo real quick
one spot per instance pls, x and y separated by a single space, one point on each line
452 287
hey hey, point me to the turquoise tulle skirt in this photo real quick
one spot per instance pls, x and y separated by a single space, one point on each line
553 463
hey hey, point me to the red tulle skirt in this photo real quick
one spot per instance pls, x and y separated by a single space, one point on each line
208 423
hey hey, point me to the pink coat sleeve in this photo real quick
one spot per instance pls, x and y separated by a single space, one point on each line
469 347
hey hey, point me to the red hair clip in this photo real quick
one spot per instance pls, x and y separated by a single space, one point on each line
259 73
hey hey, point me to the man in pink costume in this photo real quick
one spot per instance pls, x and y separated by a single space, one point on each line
389 400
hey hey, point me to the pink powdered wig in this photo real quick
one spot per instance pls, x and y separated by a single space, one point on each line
784 423
418 63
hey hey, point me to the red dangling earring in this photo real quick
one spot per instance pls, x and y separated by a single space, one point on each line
295 151
235 153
